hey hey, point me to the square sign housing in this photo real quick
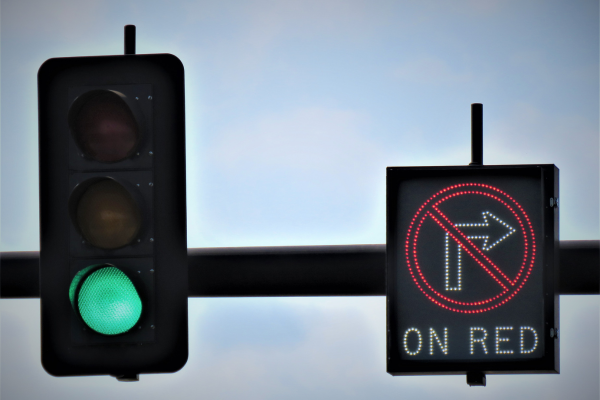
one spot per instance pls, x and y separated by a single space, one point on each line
472 269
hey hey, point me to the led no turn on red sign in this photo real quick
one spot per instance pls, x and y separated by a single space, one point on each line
472 269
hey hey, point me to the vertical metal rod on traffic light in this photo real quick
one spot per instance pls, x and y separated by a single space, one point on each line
476 134
129 39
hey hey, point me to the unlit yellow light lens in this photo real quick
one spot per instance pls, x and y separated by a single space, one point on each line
107 215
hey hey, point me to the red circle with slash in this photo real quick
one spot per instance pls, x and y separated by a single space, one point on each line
430 210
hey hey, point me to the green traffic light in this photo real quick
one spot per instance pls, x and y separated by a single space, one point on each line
106 299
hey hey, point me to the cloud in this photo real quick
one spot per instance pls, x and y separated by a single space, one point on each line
341 352
304 176
278 20
431 71
244 42
67 18
231 325
484 7
306 140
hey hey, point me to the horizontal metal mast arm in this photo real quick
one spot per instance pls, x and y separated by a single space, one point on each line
348 270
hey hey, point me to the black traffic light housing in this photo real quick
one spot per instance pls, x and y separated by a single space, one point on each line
113 247
472 270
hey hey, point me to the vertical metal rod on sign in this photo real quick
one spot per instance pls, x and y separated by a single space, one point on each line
476 378
476 134
129 39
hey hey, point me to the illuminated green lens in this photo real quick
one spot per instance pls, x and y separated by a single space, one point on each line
108 301
75 283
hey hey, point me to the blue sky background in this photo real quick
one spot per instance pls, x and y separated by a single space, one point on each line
294 109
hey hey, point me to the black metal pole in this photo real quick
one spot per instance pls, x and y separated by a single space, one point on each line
476 134
129 39
354 270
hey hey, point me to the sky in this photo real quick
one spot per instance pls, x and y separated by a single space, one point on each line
293 111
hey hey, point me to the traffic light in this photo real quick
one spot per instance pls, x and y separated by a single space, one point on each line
113 247
472 269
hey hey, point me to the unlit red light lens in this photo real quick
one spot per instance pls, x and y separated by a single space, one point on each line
104 126
107 215
106 299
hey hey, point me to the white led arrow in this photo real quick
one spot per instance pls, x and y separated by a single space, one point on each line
487 243
486 223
